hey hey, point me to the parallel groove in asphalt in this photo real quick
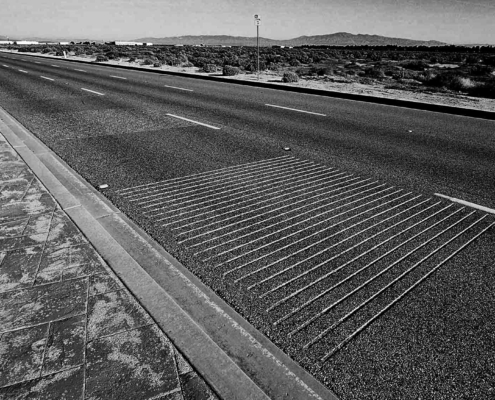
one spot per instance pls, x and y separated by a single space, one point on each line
357 331
220 182
282 228
201 175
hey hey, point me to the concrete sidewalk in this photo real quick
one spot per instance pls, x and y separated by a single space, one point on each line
69 329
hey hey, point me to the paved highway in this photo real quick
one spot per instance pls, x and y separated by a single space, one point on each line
316 218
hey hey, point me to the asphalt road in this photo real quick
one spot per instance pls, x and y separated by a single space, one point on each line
314 217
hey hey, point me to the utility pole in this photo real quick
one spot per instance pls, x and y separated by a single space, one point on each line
257 22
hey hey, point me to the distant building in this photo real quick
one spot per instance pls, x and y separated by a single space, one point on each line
20 42
6 42
130 43
64 42
278 47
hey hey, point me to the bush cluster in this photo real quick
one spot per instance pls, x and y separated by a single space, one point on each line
101 58
229 70
209 68
290 76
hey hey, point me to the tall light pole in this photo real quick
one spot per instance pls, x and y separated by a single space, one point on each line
257 22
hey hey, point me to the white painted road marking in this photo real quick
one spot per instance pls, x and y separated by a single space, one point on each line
56 66
194 122
44 77
6 66
37 62
294 109
467 203
118 77
80 70
174 87
23 71
92 91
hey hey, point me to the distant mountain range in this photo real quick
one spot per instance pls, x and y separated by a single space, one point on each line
334 39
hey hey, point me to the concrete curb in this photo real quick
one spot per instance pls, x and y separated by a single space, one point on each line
466 112
236 360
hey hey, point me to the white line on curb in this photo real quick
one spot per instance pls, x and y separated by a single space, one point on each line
194 122
23 71
294 109
119 77
92 91
467 203
80 70
44 77
174 87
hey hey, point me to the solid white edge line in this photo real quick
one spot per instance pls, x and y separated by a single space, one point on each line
92 91
294 109
119 77
467 203
22 71
174 87
194 122
44 77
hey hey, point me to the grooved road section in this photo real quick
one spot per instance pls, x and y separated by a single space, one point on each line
325 252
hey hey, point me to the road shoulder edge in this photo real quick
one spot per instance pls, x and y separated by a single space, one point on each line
231 355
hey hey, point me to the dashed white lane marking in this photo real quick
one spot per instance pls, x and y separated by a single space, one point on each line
56 66
80 70
178 88
37 62
6 66
467 203
118 77
295 109
194 122
44 77
92 91
21 70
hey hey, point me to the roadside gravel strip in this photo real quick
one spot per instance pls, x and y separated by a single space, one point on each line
323 231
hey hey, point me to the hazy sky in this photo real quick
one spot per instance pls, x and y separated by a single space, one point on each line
451 21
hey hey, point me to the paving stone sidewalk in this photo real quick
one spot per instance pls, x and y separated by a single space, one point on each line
69 329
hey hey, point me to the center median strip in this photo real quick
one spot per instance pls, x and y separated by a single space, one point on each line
192 121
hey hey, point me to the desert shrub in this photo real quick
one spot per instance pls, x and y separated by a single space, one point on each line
89 52
229 70
294 62
101 58
290 76
209 68
450 81
490 61
47 50
366 81
188 64
486 89
148 61
416 65
324 71
157 64
131 59
480 70
377 73
59 53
